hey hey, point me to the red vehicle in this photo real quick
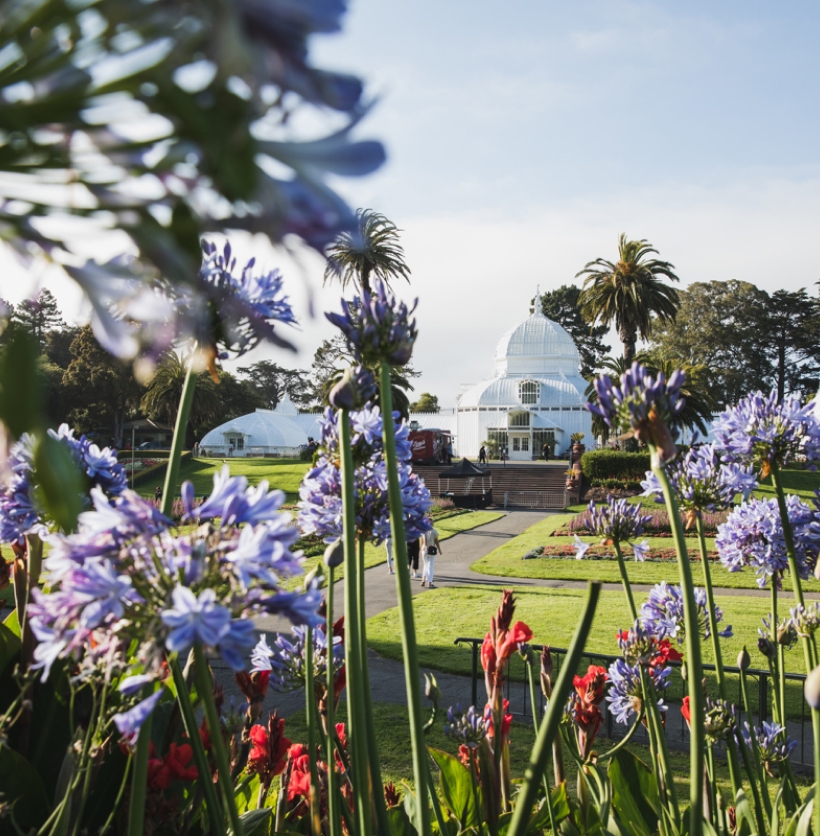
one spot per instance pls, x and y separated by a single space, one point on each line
431 446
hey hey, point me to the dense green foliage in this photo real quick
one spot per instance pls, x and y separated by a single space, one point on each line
614 464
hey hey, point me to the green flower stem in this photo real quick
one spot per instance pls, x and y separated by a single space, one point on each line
372 744
477 803
439 816
555 710
758 771
408 629
204 685
356 718
310 711
627 585
177 445
212 805
139 781
816 728
334 813
534 704
693 660
720 675
774 662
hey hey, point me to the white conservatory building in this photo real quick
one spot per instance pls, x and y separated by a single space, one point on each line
535 397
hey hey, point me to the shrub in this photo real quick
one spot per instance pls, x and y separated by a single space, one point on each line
623 484
614 464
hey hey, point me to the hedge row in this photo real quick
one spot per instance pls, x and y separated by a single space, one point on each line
125 455
157 470
614 464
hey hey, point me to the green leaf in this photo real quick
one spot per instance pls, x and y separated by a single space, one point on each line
745 815
398 822
456 787
20 393
254 822
12 623
636 799
560 810
247 794
9 645
23 788
60 484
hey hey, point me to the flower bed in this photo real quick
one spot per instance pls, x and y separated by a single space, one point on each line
568 550
657 526
141 464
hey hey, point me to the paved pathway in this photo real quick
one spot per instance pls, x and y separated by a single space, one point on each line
452 569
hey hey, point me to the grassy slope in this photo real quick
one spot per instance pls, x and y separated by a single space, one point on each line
506 561
284 474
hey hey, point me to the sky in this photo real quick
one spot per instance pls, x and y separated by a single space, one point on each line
524 137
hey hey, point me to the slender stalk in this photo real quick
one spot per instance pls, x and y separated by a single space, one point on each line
720 674
212 805
693 659
531 681
439 816
356 718
204 686
334 814
758 763
816 728
774 662
177 445
408 629
625 579
549 725
310 711
372 745
109 821
139 781
474 784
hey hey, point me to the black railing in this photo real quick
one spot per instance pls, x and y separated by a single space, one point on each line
758 684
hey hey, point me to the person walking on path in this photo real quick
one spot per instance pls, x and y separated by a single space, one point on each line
388 547
546 452
482 455
432 548
413 549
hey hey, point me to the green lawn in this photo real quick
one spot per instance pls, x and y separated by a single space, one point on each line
374 555
506 561
445 614
284 474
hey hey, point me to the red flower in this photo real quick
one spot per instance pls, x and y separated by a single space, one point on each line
269 750
254 687
684 710
488 656
518 634
300 772
590 687
666 653
391 795
174 766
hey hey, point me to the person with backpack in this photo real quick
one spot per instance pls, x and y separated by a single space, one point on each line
430 549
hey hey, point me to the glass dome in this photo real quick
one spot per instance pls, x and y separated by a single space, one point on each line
263 428
537 346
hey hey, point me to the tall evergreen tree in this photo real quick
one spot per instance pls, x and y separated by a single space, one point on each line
272 383
40 315
563 306
629 293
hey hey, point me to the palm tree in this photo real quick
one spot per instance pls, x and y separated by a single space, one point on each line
372 249
161 401
629 293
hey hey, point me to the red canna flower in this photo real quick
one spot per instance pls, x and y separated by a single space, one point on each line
175 766
509 640
488 656
269 749
254 687
684 710
299 784
391 795
590 687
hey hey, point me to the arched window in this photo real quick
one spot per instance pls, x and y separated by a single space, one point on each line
529 392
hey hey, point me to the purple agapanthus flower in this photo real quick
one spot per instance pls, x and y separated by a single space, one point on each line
285 659
763 432
378 327
616 520
701 482
753 536
234 503
20 513
805 619
468 728
234 311
625 695
320 505
773 744
643 404
662 614
129 722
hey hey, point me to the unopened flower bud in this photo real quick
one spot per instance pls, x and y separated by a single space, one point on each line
786 634
811 688
335 554
315 577
431 689
343 394
743 659
766 647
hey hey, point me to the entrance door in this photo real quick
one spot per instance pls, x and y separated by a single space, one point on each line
520 446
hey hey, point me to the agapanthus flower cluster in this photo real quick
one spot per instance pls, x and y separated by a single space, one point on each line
127 589
231 311
662 614
764 432
468 728
643 404
320 505
702 483
805 620
776 632
625 695
646 648
377 327
719 721
20 512
773 744
285 660
616 521
753 536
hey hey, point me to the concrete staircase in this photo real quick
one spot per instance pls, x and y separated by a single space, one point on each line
537 485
